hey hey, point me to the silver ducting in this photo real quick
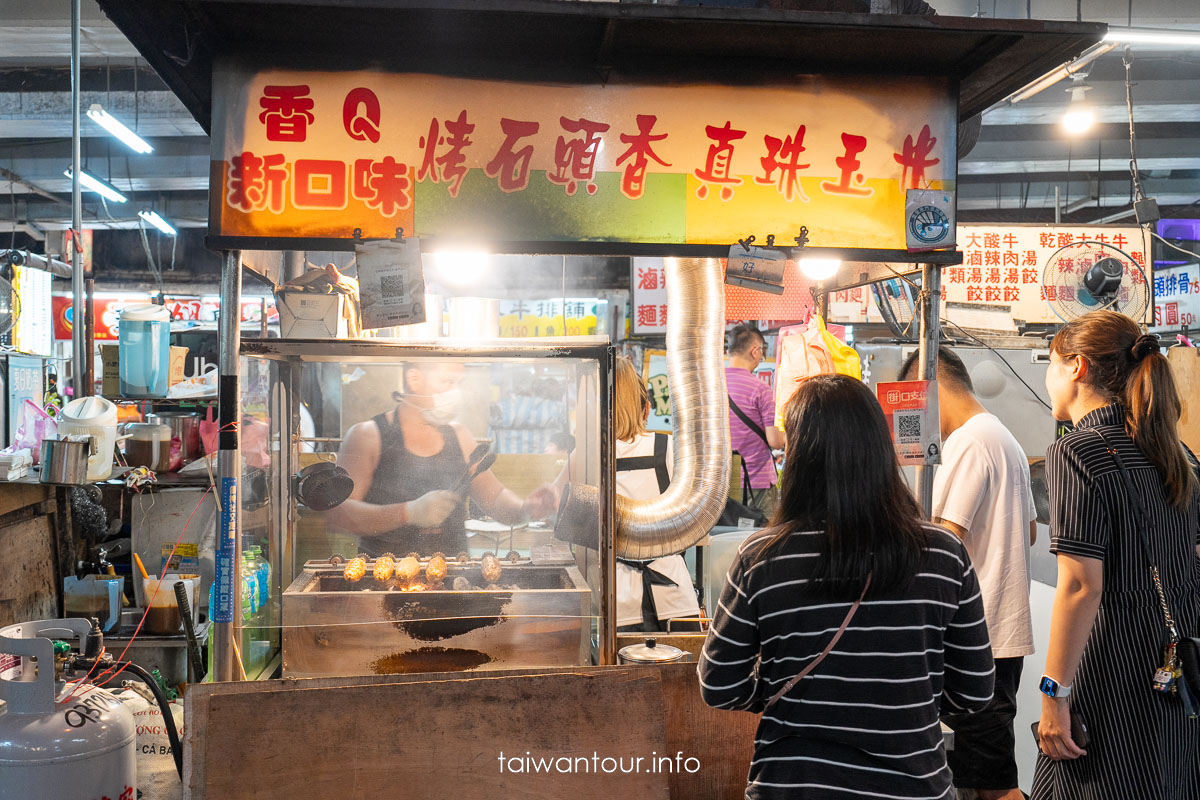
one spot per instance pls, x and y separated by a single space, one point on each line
699 486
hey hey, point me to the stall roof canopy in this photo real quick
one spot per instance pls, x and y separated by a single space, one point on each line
588 42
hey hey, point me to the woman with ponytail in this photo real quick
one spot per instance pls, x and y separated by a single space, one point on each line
1107 630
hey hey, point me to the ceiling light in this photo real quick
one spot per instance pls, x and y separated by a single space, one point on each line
98 186
820 269
117 128
157 221
1152 36
461 267
1079 117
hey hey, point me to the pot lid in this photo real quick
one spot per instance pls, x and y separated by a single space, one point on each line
651 652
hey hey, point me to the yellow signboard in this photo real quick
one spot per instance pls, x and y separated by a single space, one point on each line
319 154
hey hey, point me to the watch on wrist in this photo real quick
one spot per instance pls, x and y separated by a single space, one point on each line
1052 688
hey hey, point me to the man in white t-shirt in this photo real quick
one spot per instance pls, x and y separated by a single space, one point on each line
982 492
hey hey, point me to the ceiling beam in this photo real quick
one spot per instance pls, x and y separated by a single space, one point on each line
48 114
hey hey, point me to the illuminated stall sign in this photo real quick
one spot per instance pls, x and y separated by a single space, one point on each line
1003 264
1176 298
318 154
574 316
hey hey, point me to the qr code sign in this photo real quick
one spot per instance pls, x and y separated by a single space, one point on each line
391 286
908 426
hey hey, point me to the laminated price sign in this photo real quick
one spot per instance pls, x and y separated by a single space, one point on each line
391 284
756 268
912 414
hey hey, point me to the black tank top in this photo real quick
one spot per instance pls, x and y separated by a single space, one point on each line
401 477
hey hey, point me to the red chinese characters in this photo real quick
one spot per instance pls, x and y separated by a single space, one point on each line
849 164
647 316
287 112
647 279
256 182
450 167
915 159
318 183
639 154
383 185
1012 294
511 165
783 155
575 158
719 166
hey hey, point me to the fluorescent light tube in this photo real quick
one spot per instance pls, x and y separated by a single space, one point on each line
1152 36
157 221
98 186
114 126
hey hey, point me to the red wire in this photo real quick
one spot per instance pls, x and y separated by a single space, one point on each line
100 679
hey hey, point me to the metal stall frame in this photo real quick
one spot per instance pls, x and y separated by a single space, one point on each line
289 352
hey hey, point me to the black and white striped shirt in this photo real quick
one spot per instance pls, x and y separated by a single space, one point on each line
865 723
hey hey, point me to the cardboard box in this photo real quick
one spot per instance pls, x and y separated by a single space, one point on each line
110 359
178 365
307 315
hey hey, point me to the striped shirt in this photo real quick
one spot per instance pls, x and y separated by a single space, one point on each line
757 402
865 722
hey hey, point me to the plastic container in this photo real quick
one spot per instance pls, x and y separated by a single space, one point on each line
94 596
144 333
148 445
185 426
163 617
95 417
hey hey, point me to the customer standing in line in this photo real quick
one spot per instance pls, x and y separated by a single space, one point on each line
1107 632
850 579
982 493
752 430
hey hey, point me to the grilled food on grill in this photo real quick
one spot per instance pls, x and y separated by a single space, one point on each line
461 584
435 571
513 556
385 565
463 558
490 566
408 568
355 569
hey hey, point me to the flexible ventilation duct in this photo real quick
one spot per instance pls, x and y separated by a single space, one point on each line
699 486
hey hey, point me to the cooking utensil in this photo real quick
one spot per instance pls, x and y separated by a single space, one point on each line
189 630
185 426
65 460
651 653
474 472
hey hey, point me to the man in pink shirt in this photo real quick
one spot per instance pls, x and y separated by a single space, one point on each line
752 428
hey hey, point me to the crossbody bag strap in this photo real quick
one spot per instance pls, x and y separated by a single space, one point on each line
1143 536
828 648
754 427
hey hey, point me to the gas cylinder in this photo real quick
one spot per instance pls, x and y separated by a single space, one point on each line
59 741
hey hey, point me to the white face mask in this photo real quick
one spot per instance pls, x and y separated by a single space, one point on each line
445 407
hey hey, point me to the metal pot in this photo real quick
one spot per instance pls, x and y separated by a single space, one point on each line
185 426
651 653
65 461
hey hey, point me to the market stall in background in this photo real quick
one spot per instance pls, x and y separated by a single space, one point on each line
531 211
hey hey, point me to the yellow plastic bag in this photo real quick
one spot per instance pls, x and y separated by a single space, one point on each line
802 354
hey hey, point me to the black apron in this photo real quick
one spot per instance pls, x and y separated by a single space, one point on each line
402 477
658 463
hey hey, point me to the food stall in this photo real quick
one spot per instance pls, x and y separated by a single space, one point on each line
527 128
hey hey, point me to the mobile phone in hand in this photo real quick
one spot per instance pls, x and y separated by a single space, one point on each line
1079 731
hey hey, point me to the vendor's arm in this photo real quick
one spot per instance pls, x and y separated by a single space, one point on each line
359 456
501 504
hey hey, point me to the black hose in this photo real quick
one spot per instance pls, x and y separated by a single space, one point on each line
168 721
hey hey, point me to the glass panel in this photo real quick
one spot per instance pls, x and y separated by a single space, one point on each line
456 466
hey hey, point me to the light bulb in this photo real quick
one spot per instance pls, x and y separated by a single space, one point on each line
820 269
1078 120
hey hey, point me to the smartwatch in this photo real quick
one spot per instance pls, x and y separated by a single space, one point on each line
1052 688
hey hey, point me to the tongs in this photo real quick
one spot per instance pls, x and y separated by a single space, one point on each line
481 460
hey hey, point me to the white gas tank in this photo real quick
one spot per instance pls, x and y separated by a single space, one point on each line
59 742
95 417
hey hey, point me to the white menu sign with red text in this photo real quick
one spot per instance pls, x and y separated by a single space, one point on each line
1003 264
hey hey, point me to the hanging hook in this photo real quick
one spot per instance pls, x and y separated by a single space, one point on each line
745 243
399 234
357 235
802 239
770 240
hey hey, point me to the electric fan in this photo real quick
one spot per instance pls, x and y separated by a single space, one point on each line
897 302
1089 276
10 306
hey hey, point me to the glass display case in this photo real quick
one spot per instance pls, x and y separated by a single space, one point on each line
399 504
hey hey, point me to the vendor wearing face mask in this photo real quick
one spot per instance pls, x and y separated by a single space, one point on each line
406 464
